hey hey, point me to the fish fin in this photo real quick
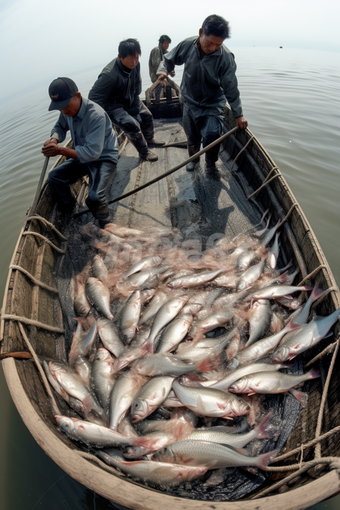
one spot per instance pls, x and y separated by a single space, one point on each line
262 429
301 396
251 470
314 373
266 458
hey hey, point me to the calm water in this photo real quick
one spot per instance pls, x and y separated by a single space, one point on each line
291 100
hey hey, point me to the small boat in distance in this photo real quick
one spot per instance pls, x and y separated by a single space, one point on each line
36 315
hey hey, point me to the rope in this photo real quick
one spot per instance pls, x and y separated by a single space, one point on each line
32 322
171 171
59 250
312 274
307 445
289 212
334 463
265 182
124 144
243 149
40 369
323 401
48 224
34 280
328 349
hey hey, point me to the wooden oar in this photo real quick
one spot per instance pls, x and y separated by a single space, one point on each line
172 170
40 183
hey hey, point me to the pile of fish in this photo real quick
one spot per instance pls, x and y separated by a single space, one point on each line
172 343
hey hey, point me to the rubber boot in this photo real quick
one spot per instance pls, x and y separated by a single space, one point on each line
192 149
211 157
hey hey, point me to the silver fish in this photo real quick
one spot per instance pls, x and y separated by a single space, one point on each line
165 314
175 332
309 335
250 276
122 395
156 302
146 263
99 296
161 364
210 455
98 268
103 375
110 336
96 435
270 382
259 320
130 316
82 342
193 281
277 291
158 473
150 396
229 379
210 402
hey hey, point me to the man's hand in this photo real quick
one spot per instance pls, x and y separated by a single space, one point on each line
163 78
242 122
50 148
172 74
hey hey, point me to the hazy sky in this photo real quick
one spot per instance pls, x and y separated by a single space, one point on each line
40 40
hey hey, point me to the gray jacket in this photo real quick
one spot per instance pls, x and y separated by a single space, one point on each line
155 58
207 81
116 87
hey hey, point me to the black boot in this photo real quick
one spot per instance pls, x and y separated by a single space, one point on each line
192 149
211 157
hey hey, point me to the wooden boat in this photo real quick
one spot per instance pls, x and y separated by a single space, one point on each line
32 318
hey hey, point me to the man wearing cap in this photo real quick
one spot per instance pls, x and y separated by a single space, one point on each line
155 58
117 90
209 80
95 150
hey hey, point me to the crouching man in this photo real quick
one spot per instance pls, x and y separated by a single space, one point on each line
95 150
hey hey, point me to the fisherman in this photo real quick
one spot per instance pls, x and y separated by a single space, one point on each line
117 90
209 79
156 57
95 150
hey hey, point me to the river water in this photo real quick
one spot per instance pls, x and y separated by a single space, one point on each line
291 100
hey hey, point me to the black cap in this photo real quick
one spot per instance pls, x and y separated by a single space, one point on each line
61 91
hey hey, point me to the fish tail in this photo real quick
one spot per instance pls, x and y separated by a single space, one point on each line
266 458
301 396
263 428
314 373
146 442
317 293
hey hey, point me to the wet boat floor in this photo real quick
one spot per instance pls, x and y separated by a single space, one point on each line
202 208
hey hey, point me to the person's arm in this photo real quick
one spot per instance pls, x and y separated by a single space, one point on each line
58 134
101 89
170 60
231 91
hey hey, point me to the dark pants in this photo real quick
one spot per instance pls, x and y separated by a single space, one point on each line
137 125
203 124
100 174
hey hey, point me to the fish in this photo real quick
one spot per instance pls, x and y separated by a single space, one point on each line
259 320
99 296
210 402
162 364
231 377
165 314
110 336
210 455
130 316
103 376
82 342
98 268
122 395
150 396
271 382
158 473
213 321
96 435
308 336
273 253
145 263
218 435
275 291
156 302
250 275
195 280
174 332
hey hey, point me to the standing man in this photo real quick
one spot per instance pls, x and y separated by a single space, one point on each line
117 90
156 57
209 79
95 150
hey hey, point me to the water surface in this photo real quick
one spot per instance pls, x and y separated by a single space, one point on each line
291 100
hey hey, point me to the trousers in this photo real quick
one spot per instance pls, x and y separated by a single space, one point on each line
100 175
203 124
137 125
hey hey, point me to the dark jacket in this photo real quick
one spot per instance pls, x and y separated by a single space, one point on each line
207 81
116 87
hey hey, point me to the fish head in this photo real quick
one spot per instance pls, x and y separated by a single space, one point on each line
239 386
164 455
103 354
135 452
66 424
281 354
139 409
